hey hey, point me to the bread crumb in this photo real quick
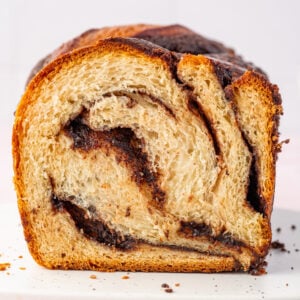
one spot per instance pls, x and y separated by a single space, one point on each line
20 256
177 284
93 276
165 285
22 268
169 290
4 266
259 269
278 245
125 277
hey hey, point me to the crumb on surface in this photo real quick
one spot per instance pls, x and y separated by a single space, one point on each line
168 290
165 285
177 284
259 270
20 256
278 245
4 266
278 229
93 276
22 268
125 277
293 227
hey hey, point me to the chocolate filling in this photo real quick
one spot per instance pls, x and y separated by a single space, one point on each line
133 101
193 229
180 39
226 73
153 50
128 150
196 109
253 195
95 229
231 66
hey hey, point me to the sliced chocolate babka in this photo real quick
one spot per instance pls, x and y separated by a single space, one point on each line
146 148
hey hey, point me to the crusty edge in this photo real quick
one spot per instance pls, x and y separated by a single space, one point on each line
272 100
87 38
241 76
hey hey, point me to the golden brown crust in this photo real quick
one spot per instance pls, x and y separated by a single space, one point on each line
267 93
90 37
204 263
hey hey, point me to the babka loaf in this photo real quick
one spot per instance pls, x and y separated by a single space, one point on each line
146 148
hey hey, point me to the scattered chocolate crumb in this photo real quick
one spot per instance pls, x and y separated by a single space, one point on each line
125 277
278 245
168 290
4 266
177 284
264 263
293 227
22 268
286 284
288 251
292 268
165 285
259 270
278 229
93 276
297 250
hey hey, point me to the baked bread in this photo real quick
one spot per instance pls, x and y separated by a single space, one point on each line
146 148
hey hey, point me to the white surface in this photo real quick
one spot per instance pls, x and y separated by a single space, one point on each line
35 282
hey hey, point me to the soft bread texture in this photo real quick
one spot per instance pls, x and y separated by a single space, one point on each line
129 156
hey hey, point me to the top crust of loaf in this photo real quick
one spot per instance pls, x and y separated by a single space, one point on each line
90 37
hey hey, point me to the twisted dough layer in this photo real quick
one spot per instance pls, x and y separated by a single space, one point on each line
128 156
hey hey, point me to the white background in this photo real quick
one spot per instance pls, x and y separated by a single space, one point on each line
263 31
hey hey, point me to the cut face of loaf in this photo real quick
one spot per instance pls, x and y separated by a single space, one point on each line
130 157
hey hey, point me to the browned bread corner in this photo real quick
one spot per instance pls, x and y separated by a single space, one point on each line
140 148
